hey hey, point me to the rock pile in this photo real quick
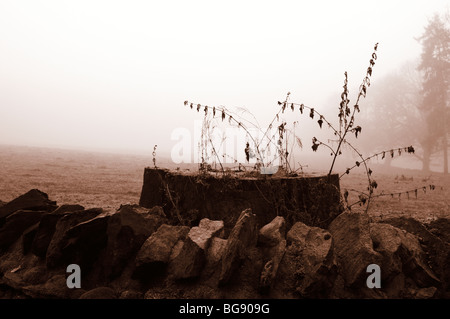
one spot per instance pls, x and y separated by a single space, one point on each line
135 252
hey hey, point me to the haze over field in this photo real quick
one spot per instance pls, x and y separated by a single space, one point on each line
113 75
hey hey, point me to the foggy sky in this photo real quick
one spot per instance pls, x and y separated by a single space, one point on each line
113 75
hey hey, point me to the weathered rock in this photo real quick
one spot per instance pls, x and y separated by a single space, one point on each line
308 267
440 228
214 255
273 233
78 239
297 234
353 246
206 230
46 229
99 293
420 293
401 253
15 224
34 200
53 288
319 269
127 230
437 250
243 236
189 262
67 208
156 251
28 237
24 275
270 269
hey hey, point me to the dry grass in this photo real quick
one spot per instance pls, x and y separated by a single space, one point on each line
428 205
109 180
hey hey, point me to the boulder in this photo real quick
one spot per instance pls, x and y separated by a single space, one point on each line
308 267
155 253
437 251
34 200
270 269
297 234
47 227
53 288
67 208
28 237
272 242
273 233
127 230
422 293
243 236
353 247
319 269
401 253
99 293
78 239
213 259
15 224
440 228
191 258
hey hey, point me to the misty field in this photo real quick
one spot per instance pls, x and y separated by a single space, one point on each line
109 180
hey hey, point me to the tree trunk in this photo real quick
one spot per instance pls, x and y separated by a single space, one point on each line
426 159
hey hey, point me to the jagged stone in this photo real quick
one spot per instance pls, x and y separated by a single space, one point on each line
189 262
46 228
440 228
214 257
437 251
28 237
243 236
273 233
270 269
156 251
308 267
34 200
401 253
127 230
353 246
15 224
78 239
53 288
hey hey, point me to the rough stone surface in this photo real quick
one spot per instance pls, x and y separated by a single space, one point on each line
243 236
273 233
158 247
53 288
127 230
46 230
191 258
308 266
33 200
270 269
353 246
58 241
440 228
78 243
401 253
437 251
15 224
